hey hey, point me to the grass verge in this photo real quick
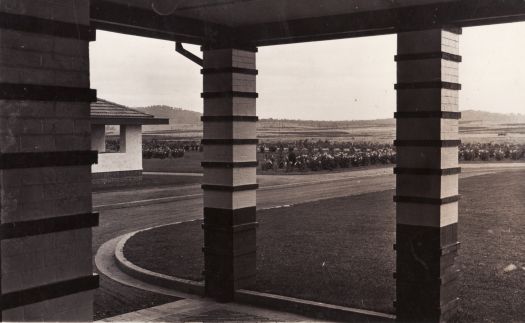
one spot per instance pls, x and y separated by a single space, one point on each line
149 181
189 163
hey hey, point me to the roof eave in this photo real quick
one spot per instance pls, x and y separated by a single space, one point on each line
129 121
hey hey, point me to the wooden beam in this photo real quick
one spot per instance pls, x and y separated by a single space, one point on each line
129 121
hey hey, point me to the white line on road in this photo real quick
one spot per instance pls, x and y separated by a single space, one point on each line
174 174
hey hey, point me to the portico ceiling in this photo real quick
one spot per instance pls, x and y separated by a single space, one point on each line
235 13
269 22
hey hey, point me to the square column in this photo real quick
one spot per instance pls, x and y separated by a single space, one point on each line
229 162
427 175
46 215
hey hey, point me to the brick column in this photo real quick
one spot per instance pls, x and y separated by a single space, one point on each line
427 175
45 157
229 182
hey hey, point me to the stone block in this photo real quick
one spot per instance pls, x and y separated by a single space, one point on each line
71 78
229 82
69 142
63 190
16 210
9 74
75 174
427 129
11 178
36 109
434 99
71 47
229 200
82 126
9 144
72 205
219 58
26 41
427 70
15 57
427 186
427 157
37 143
229 153
229 130
230 176
76 110
59 126
230 106
427 41
13 315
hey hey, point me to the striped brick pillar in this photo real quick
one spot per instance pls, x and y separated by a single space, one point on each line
229 164
427 175
45 161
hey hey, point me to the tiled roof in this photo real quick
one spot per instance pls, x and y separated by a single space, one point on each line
110 113
106 109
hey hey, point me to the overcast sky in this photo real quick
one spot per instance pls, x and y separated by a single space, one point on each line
329 80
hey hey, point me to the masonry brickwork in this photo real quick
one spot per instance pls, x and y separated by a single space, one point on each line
229 163
427 175
45 276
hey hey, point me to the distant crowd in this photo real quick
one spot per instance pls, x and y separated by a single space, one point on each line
168 149
326 155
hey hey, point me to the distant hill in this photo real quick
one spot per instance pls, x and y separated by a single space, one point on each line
491 117
287 123
181 116
176 115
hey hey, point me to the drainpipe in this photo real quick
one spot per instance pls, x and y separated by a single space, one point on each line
189 55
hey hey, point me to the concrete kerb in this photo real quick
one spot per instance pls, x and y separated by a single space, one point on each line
310 308
178 284
276 302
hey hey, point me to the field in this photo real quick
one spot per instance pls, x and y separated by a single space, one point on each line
190 163
377 131
342 249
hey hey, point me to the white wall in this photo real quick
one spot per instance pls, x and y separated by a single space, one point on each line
98 137
130 157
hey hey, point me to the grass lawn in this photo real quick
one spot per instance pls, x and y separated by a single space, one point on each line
190 163
339 251
151 181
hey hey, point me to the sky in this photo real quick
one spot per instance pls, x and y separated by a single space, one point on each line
350 79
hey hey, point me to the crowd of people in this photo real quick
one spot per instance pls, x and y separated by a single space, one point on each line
491 151
326 155
168 149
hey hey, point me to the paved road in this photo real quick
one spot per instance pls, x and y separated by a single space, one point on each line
130 210
126 211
